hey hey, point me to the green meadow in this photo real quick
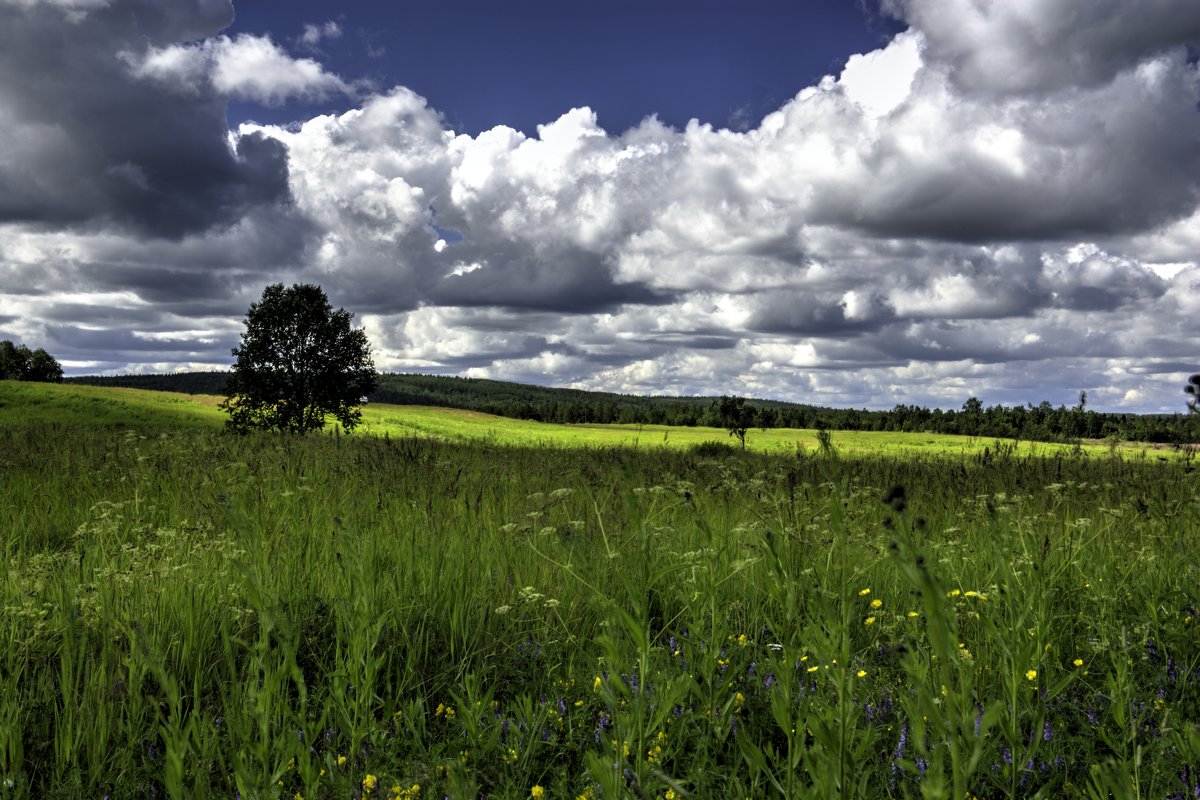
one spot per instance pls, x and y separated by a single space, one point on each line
448 604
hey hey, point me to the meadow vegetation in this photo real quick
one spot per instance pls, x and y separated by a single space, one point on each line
189 613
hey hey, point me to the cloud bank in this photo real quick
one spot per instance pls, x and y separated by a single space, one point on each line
966 210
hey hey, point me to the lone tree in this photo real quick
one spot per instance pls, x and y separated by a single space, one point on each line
299 361
1193 389
736 417
19 363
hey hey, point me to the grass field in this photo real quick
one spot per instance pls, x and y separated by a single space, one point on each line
485 610
112 407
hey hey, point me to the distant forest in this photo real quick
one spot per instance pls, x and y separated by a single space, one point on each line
1042 422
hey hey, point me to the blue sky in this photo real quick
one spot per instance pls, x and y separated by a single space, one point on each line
527 62
893 201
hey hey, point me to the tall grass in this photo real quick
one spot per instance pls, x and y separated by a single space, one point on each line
189 614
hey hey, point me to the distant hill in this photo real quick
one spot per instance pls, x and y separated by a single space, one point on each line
522 401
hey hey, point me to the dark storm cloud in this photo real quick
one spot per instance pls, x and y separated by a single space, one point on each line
568 281
816 315
88 143
122 344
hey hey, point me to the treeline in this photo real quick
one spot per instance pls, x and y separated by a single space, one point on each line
19 363
1042 422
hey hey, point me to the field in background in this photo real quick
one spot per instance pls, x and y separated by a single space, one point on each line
192 614
103 406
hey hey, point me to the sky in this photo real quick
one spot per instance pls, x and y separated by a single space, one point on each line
840 203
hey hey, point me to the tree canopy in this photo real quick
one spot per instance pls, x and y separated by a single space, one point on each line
299 361
736 417
19 363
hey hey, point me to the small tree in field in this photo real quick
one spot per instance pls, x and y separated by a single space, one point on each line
1193 389
736 417
299 361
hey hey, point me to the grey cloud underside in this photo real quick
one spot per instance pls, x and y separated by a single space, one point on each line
570 282
1047 47
88 144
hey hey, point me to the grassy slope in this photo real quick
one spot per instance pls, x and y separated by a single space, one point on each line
25 403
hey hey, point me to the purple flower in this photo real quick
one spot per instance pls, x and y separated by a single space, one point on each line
1047 732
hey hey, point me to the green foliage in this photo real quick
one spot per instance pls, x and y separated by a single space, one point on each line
735 416
19 363
189 614
299 360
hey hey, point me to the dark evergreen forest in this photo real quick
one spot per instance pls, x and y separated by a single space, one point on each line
1042 422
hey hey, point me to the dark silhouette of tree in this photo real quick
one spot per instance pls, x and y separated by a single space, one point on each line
19 363
299 361
1193 388
736 417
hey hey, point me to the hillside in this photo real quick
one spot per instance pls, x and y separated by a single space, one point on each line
34 405
1043 423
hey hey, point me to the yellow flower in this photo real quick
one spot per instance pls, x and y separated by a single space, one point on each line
813 669
341 761
369 783
297 796
1078 662
537 791
869 621
912 614
954 593
862 673
596 684
876 603
1031 675
742 640
863 592
670 795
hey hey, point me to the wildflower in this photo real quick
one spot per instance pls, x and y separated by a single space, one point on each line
297 796
341 761
369 783
862 673
537 791
670 795
813 669
864 592
954 593
912 614
1078 662
742 640
596 684
739 700
1031 675
869 621
876 603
